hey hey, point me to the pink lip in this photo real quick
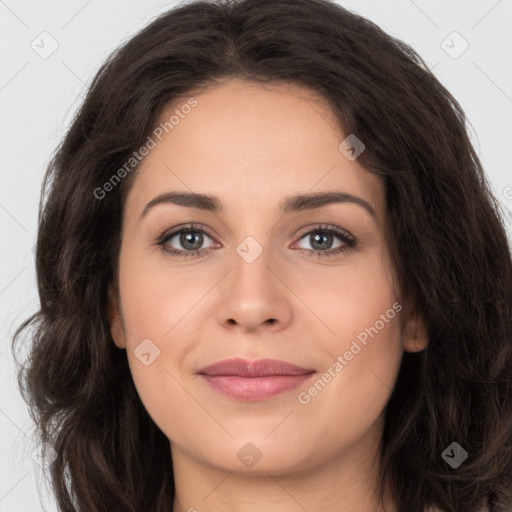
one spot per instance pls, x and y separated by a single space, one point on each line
256 380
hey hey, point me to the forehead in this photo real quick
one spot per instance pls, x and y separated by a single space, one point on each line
246 141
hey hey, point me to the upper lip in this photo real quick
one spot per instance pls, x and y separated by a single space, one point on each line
260 368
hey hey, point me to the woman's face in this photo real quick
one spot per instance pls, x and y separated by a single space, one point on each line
269 282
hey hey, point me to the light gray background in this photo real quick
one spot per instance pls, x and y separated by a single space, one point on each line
38 98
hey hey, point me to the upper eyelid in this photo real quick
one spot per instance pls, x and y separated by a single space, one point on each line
170 233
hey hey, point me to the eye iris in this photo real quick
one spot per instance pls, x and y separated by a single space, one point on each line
318 237
187 238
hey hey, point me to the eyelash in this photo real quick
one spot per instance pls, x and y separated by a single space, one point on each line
348 240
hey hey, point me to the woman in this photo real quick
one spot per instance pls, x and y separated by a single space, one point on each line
191 353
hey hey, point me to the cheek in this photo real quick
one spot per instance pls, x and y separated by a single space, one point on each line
156 298
353 299
349 396
363 343
162 311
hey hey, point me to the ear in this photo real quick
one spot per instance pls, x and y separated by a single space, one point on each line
115 319
414 333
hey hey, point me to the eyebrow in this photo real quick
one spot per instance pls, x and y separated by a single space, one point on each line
295 203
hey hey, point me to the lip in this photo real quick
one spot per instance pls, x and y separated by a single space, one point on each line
254 380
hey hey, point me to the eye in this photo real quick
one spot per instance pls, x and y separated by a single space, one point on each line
322 238
189 237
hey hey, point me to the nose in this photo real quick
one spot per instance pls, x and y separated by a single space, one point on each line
255 295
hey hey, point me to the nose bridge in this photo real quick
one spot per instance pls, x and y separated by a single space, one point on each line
256 258
253 261
251 249
254 295
253 236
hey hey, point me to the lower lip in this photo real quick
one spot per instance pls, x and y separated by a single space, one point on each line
255 388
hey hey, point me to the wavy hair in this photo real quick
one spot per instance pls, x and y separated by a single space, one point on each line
445 232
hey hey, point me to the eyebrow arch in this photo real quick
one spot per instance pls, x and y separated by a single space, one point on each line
295 203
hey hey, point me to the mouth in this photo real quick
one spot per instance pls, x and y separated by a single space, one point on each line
254 381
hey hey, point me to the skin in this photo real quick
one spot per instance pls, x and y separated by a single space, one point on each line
252 146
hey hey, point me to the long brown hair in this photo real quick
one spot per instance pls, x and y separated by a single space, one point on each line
446 237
